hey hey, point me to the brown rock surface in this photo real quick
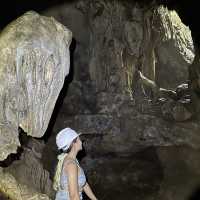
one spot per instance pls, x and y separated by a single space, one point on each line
34 60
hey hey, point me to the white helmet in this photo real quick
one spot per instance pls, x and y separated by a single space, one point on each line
65 137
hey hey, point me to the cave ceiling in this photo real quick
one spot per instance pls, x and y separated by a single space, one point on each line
187 10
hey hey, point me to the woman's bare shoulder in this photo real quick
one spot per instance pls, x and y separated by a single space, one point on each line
70 167
70 163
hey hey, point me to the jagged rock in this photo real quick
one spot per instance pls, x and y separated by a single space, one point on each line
174 102
183 90
29 171
13 190
180 113
34 60
175 49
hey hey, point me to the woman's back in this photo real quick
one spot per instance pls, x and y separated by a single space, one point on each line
63 193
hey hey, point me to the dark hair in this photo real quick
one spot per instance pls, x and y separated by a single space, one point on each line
70 147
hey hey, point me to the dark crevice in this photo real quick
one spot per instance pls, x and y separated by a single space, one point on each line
23 139
195 195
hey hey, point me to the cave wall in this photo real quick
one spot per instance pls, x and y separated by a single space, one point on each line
106 99
130 93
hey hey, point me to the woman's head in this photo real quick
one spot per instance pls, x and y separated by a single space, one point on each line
76 145
68 139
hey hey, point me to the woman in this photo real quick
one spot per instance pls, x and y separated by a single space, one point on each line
70 180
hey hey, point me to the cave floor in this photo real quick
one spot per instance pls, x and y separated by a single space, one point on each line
167 173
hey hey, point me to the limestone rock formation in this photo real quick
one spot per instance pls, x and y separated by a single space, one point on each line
15 191
119 113
34 61
106 100
29 170
174 48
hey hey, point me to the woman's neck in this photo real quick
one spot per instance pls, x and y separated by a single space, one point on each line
72 154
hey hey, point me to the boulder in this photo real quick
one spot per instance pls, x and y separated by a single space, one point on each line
34 61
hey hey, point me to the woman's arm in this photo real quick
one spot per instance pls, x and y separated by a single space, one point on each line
89 192
72 175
